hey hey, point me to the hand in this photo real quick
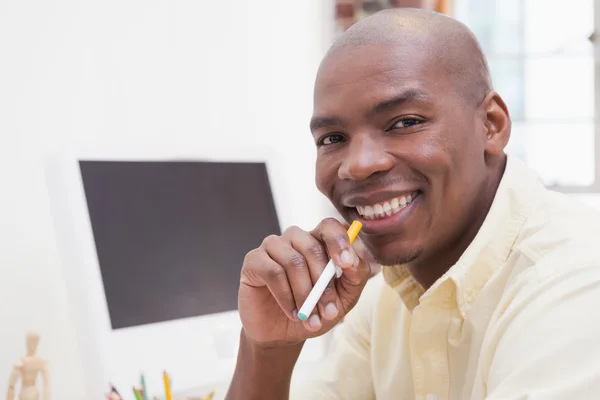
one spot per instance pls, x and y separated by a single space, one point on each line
277 277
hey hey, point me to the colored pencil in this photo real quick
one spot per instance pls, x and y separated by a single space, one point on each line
167 386
144 391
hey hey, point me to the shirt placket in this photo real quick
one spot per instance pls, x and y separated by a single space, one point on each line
429 349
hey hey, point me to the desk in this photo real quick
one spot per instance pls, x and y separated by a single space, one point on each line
301 373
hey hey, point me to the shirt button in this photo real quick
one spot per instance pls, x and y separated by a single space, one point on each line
431 396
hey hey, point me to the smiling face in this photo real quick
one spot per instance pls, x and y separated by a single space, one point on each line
400 148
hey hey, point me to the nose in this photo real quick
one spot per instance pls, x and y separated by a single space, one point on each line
366 156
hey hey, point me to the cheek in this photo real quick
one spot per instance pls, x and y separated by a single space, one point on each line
325 175
434 156
437 158
455 169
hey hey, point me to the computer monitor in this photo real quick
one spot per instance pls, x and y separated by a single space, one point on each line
196 350
171 236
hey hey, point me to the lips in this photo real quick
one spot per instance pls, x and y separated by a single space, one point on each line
384 212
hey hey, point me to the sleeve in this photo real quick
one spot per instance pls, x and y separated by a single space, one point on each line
547 344
345 371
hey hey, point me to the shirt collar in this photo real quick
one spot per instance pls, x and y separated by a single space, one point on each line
490 248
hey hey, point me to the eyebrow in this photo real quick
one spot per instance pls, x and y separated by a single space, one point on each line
408 96
324 122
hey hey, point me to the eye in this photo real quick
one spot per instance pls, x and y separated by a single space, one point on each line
407 122
330 139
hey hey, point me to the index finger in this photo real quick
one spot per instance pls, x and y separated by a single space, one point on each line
335 236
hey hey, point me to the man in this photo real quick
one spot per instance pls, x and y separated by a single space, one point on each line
492 282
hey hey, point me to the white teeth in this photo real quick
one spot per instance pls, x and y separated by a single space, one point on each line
386 208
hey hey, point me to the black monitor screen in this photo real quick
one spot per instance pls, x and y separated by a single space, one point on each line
171 236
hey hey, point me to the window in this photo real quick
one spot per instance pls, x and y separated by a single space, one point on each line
541 58
347 12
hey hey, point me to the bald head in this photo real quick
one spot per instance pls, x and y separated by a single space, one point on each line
446 42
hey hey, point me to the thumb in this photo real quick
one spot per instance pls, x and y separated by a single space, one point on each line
352 281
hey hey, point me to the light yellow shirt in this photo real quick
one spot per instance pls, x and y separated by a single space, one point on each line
517 317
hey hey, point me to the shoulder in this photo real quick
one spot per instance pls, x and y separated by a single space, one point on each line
559 237
555 254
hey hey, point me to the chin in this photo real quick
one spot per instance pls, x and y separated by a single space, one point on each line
394 253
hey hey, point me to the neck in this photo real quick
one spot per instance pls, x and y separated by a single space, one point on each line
428 270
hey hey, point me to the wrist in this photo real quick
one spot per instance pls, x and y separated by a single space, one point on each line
263 371
271 349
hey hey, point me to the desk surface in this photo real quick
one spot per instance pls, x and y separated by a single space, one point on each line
301 372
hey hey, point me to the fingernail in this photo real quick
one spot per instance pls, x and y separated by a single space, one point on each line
356 262
314 321
347 258
295 314
331 311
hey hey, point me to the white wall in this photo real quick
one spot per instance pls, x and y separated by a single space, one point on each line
116 77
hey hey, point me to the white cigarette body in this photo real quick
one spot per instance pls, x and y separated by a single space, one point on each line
317 291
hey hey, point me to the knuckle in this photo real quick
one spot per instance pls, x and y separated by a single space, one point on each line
318 250
270 241
291 230
326 224
340 238
248 274
297 261
330 221
250 257
274 272
328 291
256 263
332 230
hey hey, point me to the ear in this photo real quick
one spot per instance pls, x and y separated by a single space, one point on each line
497 124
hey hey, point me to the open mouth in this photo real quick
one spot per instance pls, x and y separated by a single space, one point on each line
387 208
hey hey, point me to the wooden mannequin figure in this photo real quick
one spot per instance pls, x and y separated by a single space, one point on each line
27 370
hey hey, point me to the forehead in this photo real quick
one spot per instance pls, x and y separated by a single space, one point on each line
363 75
